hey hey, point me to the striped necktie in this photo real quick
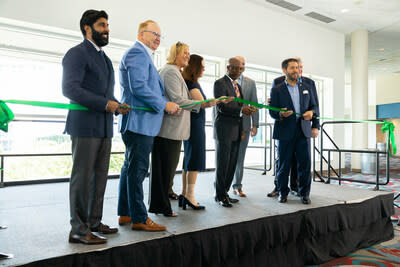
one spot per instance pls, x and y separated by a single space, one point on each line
235 85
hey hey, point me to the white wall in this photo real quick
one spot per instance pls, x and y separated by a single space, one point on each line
221 28
387 89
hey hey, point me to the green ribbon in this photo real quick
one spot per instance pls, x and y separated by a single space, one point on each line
6 115
47 104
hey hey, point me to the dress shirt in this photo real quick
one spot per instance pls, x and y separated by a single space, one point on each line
294 94
95 46
148 50
240 80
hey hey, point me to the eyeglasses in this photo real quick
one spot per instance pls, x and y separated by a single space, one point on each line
235 68
156 34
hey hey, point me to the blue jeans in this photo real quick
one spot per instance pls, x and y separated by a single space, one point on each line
133 172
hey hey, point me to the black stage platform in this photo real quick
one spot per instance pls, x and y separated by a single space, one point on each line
257 231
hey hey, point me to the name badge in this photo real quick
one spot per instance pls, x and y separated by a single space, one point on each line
305 92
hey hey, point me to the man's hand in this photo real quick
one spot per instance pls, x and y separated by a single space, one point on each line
123 109
242 136
226 101
286 114
269 101
314 132
209 103
253 131
112 106
308 115
172 108
248 110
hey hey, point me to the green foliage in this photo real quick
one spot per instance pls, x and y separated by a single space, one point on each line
45 167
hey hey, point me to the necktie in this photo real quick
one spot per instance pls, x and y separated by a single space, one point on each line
103 57
235 85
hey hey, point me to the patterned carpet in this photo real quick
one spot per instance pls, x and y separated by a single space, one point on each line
385 254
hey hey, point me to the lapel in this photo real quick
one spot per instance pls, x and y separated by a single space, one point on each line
231 89
96 57
301 95
229 86
110 71
152 66
243 86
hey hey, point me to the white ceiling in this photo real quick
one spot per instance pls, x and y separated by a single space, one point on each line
380 17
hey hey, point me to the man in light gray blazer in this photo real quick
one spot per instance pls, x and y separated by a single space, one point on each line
249 124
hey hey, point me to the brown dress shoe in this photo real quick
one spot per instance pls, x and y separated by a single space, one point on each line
148 226
88 239
273 193
104 229
241 194
122 220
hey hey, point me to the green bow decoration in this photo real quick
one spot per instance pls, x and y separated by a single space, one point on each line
6 115
389 127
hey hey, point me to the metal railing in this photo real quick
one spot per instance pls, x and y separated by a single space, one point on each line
3 183
328 177
268 145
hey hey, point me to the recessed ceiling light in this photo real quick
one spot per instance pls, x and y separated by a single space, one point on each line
345 10
381 49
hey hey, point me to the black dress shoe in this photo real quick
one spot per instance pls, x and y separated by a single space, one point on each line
282 199
190 204
225 203
233 200
88 239
104 229
273 193
305 200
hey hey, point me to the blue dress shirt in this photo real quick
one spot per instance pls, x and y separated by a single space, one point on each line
294 94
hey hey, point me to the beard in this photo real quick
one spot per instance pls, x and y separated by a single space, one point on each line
292 77
98 38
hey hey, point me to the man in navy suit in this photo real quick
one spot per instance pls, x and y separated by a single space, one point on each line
310 85
141 86
88 80
292 129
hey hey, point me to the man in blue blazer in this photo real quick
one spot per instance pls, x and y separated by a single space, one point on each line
141 86
309 84
88 79
292 129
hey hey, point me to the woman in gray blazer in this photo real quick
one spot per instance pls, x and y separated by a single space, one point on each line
174 129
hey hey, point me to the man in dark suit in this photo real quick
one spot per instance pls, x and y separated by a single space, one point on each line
310 85
228 131
88 80
292 129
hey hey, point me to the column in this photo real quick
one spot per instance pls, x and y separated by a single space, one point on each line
359 92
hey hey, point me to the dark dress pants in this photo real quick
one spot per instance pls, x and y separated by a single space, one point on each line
299 146
294 178
164 160
133 173
90 162
226 158
238 177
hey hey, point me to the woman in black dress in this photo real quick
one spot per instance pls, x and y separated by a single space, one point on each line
195 147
